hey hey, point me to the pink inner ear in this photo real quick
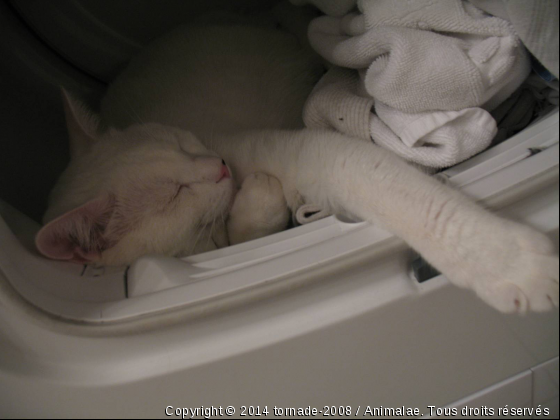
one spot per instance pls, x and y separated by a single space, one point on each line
78 235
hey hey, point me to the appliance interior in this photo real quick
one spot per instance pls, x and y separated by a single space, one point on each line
86 59
82 45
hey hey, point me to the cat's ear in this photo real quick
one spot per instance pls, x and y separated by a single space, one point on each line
79 235
82 124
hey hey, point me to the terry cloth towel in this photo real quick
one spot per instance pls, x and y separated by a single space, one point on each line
337 104
443 16
431 139
416 70
535 22
438 139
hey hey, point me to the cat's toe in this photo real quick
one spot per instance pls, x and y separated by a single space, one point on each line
259 209
506 297
542 295
539 273
518 273
260 184
534 287
264 192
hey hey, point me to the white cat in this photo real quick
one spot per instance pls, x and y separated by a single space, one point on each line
145 185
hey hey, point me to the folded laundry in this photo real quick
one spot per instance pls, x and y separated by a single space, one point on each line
416 70
443 16
535 22
417 77
420 77
336 104
436 139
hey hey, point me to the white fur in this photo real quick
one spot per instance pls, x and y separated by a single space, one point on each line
259 209
218 81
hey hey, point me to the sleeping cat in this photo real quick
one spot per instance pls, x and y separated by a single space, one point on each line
154 173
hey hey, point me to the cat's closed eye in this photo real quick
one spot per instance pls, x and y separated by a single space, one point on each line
190 145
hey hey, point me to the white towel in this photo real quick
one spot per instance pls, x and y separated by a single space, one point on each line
444 16
336 104
431 69
438 139
535 22
416 70
431 139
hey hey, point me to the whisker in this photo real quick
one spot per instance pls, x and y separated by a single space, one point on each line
225 227
210 236
198 236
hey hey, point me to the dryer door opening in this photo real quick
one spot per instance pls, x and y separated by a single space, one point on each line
510 172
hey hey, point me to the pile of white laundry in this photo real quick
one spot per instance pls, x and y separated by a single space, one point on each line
418 77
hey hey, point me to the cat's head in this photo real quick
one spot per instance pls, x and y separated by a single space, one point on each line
148 189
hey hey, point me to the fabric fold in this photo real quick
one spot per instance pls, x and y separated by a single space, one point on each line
309 213
431 139
335 104
535 22
417 77
443 16
416 71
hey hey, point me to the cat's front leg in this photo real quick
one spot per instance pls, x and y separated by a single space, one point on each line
259 209
512 267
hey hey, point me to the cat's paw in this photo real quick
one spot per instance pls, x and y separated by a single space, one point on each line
259 209
521 274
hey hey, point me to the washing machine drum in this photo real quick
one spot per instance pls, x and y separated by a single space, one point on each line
100 36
